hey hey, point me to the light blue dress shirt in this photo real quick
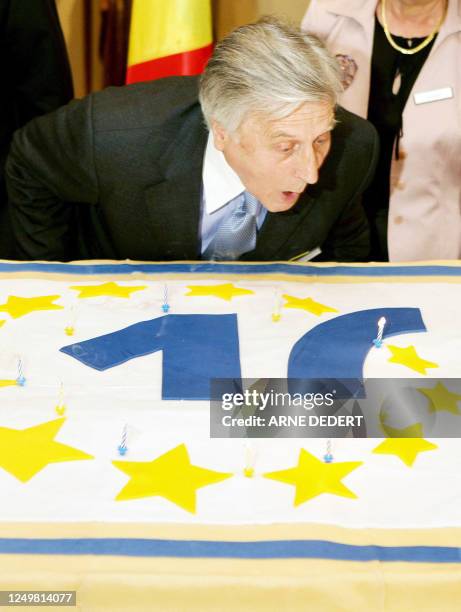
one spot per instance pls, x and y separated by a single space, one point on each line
222 191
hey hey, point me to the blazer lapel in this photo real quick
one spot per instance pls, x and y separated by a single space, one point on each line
361 11
451 25
174 202
277 230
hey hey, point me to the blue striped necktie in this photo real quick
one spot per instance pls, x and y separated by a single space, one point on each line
237 232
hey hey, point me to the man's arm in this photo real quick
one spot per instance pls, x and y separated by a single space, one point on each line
50 168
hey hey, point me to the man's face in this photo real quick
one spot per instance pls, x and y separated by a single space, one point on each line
277 158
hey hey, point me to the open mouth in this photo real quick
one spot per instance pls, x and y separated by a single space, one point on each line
290 195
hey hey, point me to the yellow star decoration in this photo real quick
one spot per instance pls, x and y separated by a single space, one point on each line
409 357
308 304
19 306
24 452
412 431
312 477
225 291
171 476
407 449
441 398
2 322
108 289
8 383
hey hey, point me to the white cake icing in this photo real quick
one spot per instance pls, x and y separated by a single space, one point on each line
99 404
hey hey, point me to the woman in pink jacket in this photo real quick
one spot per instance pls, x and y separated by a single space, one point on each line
401 62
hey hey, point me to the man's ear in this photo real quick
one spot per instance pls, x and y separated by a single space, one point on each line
220 135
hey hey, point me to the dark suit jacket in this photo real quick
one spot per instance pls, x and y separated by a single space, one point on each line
118 175
35 75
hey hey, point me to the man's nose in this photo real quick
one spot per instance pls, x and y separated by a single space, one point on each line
307 168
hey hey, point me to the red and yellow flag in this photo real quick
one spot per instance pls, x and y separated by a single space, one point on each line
168 37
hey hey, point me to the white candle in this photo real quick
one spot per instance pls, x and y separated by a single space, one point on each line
250 460
381 324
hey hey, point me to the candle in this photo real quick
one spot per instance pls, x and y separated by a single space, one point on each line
122 448
69 330
378 341
165 305
250 460
328 457
276 314
60 407
20 380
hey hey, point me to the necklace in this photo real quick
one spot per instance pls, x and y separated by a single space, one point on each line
423 44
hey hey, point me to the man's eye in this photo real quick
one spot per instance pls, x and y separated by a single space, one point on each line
285 148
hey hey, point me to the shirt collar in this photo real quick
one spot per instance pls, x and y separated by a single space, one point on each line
220 183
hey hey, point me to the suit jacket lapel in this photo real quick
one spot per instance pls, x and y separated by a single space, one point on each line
277 230
174 202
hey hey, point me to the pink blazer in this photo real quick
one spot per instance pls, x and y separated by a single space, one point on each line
425 203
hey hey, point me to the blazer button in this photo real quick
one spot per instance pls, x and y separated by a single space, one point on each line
398 219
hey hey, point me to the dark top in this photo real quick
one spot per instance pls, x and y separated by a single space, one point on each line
393 75
35 75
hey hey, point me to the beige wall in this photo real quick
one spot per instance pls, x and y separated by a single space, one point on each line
227 14
292 9
71 15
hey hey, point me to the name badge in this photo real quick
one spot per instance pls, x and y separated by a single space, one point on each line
423 97
307 256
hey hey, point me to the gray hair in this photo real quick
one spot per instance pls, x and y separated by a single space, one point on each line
267 66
